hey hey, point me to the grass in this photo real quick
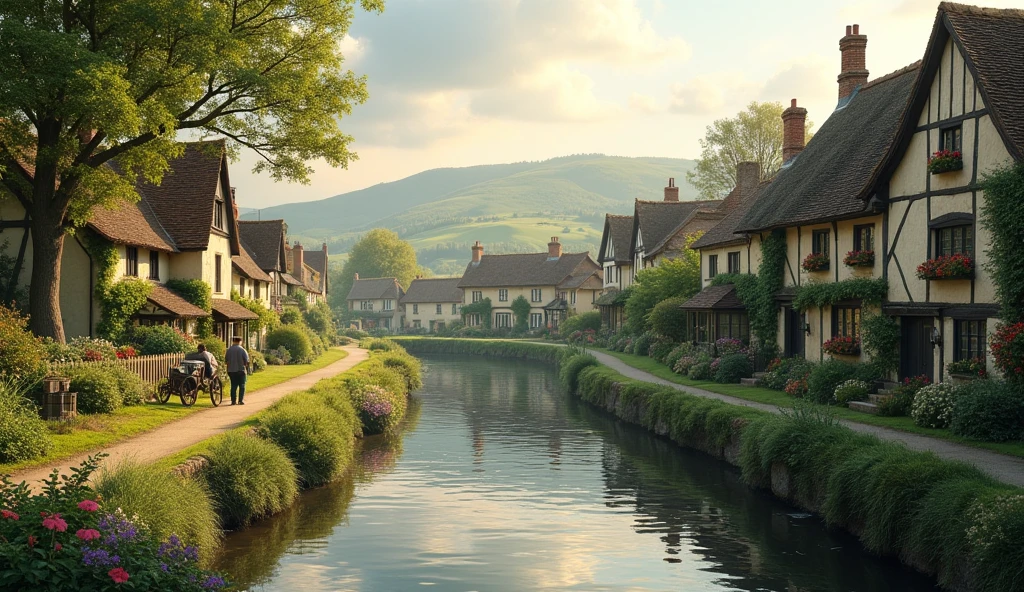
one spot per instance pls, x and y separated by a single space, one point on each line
781 399
90 432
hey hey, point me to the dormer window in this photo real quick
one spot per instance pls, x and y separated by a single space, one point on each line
218 214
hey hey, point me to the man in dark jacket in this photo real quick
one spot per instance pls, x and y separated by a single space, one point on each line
237 360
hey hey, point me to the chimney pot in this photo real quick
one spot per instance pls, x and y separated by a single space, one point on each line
853 72
671 191
794 120
856 29
849 30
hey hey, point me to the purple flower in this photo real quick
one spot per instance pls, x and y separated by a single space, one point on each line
213 583
99 558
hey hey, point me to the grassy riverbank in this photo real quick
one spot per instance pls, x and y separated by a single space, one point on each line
90 432
945 518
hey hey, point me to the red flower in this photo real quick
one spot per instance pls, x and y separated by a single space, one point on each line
118 574
57 547
55 522
9 515
32 541
87 534
88 505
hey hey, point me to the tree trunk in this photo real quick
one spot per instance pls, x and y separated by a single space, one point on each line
44 291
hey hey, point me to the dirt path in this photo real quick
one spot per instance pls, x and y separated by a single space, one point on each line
1008 469
181 434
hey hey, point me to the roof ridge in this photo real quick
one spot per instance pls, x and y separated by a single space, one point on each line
891 75
435 279
979 10
260 221
373 278
522 254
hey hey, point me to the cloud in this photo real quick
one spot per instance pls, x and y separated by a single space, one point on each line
710 95
812 79
393 118
554 94
643 103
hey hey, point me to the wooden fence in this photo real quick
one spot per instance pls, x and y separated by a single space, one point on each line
149 368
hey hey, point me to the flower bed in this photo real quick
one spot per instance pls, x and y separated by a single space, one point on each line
842 346
859 259
815 262
974 367
947 267
945 161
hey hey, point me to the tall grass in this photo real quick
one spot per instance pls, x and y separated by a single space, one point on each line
249 478
314 435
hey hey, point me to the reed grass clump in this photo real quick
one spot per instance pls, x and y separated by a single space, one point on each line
249 478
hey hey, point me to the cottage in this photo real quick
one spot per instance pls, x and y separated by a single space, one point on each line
265 240
432 304
376 304
663 229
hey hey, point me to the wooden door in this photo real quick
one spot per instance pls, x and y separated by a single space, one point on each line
795 335
916 355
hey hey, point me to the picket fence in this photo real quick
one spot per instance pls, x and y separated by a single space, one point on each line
151 369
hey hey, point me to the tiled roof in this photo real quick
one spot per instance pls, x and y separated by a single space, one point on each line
994 42
714 297
317 260
374 288
833 175
229 310
131 224
163 297
245 265
431 290
265 241
290 280
580 277
310 279
526 269
659 221
735 208
620 230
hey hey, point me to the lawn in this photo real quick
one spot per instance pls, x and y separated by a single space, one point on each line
89 432
781 399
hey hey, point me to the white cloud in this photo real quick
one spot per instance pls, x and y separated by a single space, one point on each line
810 80
555 93
643 103
710 95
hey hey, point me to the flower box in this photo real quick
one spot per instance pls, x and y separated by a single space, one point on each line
945 161
947 267
967 369
815 262
860 259
842 346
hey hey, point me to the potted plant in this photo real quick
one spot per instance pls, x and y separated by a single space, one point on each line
815 262
967 369
945 161
842 346
860 259
947 267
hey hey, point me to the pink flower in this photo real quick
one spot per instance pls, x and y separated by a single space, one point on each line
57 547
9 515
88 505
87 534
118 574
55 522
32 541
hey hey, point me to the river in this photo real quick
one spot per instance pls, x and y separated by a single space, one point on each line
502 482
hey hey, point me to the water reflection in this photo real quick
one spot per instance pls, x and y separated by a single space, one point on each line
506 484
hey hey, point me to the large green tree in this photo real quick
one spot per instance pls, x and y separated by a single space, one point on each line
87 82
672 278
379 253
754 135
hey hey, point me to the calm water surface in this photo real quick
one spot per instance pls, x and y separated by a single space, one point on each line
501 482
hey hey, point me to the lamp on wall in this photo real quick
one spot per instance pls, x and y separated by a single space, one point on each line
807 328
935 337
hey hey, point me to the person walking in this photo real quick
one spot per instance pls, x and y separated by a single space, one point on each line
238 364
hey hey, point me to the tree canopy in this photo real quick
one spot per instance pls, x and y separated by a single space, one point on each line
379 253
87 84
678 277
754 135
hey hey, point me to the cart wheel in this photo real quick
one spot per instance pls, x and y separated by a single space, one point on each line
187 391
216 391
163 392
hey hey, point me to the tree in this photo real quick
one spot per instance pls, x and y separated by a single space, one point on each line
521 309
678 277
754 135
379 253
88 83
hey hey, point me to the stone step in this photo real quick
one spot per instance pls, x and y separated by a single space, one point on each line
888 385
864 407
884 392
876 399
748 381
759 374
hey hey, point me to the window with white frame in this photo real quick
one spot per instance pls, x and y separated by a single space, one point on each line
366 305
455 309
502 295
438 310
536 295
415 309
503 320
477 296
389 305
536 320
572 296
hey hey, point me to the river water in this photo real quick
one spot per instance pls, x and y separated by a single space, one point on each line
502 482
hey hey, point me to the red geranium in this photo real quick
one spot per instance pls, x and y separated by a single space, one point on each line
1008 349
944 161
947 267
815 262
859 259
842 346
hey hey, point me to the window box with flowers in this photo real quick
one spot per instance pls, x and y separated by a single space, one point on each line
967 369
815 262
947 267
842 346
859 259
945 161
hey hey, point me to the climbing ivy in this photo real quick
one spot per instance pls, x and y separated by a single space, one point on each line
880 339
198 293
521 310
757 292
482 308
118 300
867 290
1003 217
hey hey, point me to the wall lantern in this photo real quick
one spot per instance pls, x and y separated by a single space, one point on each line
935 338
807 328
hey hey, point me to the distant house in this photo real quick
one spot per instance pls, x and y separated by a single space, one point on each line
661 229
306 278
265 240
432 303
375 304
555 285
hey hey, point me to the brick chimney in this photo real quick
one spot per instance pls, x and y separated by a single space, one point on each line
478 252
854 71
555 248
748 175
671 192
297 261
793 123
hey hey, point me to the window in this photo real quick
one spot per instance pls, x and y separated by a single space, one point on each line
503 320
864 237
697 326
970 340
455 309
256 289
735 325
536 320
389 305
387 322
712 266
478 296
438 311
473 320
846 321
417 324
218 286
819 242
218 214
154 265
366 305
535 295
502 295
131 261
415 309
572 296
955 240
949 139
734 262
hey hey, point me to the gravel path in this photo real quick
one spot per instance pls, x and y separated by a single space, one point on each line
1008 469
185 432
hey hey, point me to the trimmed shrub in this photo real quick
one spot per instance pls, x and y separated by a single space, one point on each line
379 409
23 435
278 357
677 353
378 344
291 316
308 430
581 322
569 370
701 370
683 364
782 370
825 377
409 367
642 344
249 478
990 410
293 339
851 390
732 368
661 348
166 504
259 363
355 334
160 339
668 319
133 390
933 405
98 390
22 355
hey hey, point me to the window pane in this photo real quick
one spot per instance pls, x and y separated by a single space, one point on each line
969 240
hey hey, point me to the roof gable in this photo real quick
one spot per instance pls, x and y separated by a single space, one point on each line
734 208
656 222
615 239
265 240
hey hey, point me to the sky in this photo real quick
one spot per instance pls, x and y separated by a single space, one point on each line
457 83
